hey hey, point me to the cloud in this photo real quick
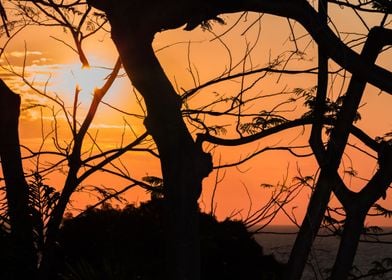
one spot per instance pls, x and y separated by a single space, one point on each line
41 60
7 76
106 126
19 54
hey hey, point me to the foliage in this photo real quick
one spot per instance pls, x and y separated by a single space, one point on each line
382 211
380 270
130 242
4 218
383 5
43 199
380 267
263 121
83 270
156 186
331 107
81 25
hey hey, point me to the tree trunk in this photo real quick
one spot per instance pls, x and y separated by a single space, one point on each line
320 198
183 163
348 245
357 209
309 227
331 158
49 264
16 186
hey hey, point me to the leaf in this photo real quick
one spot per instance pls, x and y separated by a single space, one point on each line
372 229
303 180
4 217
330 220
382 211
153 181
42 200
351 172
217 129
383 6
90 26
249 128
266 186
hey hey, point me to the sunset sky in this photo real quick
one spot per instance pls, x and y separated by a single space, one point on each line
52 67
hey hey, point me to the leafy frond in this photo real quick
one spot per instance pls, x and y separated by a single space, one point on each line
42 199
217 129
387 137
351 172
153 181
382 211
383 6
264 120
249 128
207 24
380 268
304 180
156 184
331 108
266 186
4 217
372 229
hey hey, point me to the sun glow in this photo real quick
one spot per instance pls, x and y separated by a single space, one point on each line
88 79
70 78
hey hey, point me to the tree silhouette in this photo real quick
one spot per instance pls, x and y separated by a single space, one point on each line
16 186
133 37
129 244
185 164
35 211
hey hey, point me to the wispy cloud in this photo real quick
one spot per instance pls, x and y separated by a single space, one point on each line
42 60
107 126
41 76
19 54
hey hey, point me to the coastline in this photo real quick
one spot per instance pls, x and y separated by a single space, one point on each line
278 241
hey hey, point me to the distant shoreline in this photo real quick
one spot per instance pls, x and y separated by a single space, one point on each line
291 229
279 239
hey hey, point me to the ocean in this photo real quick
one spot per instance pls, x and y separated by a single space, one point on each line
324 251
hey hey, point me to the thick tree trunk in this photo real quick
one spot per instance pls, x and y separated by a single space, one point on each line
357 208
309 227
49 264
16 186
183 163
320 198
348 245
330 159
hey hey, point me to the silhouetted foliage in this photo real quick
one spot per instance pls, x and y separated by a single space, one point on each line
110 243
184 161
7 257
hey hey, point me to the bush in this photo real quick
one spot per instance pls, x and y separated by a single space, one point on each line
129 244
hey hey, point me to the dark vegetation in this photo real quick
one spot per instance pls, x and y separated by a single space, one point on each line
129 243
31 247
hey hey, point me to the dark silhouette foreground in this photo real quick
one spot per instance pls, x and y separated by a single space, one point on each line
129 244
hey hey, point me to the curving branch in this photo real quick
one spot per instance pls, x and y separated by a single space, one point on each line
170 14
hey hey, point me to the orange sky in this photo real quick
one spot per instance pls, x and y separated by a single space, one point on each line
51 63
